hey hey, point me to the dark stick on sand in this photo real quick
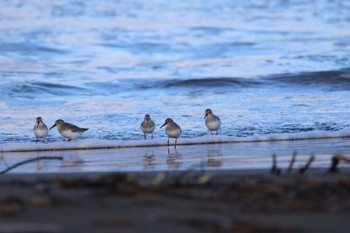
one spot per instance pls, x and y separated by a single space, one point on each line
335 161
290 167
29 161
274 169
2 158
307 165
334 165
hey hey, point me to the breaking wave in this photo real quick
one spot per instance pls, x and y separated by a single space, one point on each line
85 144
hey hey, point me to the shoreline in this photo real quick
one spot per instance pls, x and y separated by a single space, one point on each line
99 144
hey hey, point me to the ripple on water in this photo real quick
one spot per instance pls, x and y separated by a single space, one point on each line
26 48
37 89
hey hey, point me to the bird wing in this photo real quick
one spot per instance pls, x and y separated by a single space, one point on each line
75 128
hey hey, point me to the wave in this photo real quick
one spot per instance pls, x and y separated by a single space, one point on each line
212 82
331 80
328 80
31 89
334 78
29 48
88 144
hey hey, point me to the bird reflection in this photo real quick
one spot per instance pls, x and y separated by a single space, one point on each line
149 160
72 161
173 159
214 158
40 165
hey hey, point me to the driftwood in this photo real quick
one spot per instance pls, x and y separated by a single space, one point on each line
274 168
307 165
290 167
335 161
30 161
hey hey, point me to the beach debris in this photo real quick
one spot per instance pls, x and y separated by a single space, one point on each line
39 200
334 165
203 179
292 161
158 179
30 161
179 179
307 165
274 169
335 161
99 202
11 207
130 178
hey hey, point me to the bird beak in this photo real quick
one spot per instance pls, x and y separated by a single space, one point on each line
52 126
205 115
163 125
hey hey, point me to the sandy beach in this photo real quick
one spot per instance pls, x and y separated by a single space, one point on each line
239 187
177 201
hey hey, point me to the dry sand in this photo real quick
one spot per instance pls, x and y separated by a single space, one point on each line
184 201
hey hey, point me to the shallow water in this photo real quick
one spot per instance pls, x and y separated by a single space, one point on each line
242 156
263 67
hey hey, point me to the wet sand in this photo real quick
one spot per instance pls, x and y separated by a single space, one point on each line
226 156
244 187
177 201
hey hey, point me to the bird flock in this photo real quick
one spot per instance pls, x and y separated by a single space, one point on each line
172 129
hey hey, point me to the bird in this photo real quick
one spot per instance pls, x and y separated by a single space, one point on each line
212 122
172 129
147 126
68 130
40 129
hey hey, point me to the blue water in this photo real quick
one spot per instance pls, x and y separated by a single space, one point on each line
264 67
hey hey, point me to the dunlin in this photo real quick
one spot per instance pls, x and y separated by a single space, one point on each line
172 129
40 129
211 121
68 130
147 126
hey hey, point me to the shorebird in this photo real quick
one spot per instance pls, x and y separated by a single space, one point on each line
172 129
40 129
212 122
147 126
68 130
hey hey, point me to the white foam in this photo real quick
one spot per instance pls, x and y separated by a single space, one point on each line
84 144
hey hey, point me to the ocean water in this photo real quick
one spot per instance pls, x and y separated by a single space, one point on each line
264 67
